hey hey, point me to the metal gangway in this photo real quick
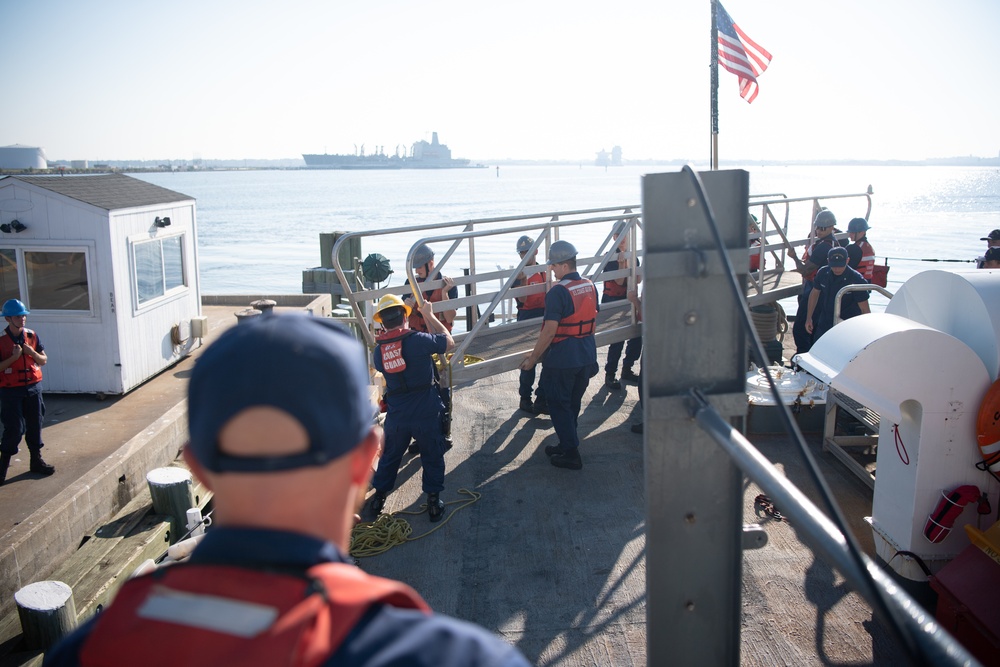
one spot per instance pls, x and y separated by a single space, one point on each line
492 338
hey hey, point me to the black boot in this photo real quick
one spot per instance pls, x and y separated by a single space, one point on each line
39 466
435 507
4 464
377 502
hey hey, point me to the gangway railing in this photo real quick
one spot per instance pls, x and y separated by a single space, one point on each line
774 214
855 288
501 345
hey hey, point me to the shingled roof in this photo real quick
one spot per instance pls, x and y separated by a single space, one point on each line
108 191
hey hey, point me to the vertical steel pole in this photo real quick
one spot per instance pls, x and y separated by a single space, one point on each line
693 491
714 94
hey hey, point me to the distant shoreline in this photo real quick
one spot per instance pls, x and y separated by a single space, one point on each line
157 166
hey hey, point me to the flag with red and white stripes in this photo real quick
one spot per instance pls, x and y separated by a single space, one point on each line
739 54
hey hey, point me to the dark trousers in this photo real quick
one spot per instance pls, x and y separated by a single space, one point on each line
564 389
803 339
526 380
632 353
430 440
22 413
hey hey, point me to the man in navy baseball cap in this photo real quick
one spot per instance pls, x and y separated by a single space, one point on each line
830 279
282 432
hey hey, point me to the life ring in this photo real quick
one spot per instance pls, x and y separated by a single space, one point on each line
988 428
942 519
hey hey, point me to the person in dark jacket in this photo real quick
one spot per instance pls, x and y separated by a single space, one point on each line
568 351
529 307
616 289
413 398
286 443
828 282
22 410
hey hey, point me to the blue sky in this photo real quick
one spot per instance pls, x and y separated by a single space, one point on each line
538 79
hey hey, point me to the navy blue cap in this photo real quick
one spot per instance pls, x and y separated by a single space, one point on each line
992 236
309 367
837 257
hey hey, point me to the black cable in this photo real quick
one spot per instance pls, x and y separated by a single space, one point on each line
931 259
886 611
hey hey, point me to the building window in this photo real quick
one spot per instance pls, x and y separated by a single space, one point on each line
57 280
159 267
46 279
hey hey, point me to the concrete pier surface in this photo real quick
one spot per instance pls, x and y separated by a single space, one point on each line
551 559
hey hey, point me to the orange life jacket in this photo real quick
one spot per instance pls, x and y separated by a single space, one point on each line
24 372
417 322
866 267
581 323
532 301
200 614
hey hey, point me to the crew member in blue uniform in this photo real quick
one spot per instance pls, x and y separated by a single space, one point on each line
829 280
286 443
813 258
529 307
616 290
567 350
413 398
22 410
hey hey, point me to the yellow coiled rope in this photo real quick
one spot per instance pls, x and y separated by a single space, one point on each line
390 530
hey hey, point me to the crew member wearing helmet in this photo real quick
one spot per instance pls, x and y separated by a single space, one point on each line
860 254
414 403
530 307
568 351
616 289
830 279
22 411
813 258
423 266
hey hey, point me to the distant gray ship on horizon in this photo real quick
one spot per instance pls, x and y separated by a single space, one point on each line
423 155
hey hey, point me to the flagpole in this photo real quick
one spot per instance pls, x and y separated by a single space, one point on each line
714 94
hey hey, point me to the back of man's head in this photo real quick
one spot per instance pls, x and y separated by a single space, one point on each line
306 368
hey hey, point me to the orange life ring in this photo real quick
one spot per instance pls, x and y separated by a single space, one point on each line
988 428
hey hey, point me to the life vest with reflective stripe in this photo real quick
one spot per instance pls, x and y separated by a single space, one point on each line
211 615
23 372
581 323
417 322
390 344
532 301
866 267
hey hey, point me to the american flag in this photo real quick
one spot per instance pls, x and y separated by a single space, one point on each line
739 54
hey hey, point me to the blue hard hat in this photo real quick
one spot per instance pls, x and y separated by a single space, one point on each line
858 225
524 244
13 307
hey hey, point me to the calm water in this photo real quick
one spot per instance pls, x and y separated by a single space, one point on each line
259 229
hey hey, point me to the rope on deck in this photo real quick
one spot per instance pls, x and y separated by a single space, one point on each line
390 530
